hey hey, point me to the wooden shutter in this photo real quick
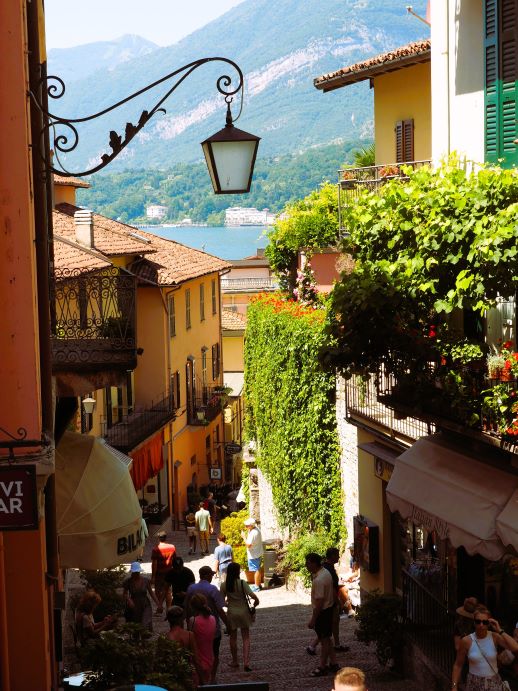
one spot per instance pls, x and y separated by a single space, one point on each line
404 141
491 81
500 73
508 46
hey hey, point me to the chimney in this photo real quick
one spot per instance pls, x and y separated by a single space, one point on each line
84 223
260 252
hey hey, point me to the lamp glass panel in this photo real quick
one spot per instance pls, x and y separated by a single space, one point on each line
233 162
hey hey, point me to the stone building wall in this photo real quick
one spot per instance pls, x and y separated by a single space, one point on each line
348 436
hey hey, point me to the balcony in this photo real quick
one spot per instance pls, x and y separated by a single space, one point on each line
93 321
136 425
248 284
207 403
461 397
361 400
352 182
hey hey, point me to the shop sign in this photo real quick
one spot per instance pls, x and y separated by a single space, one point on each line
130 543
430 522
215 473
231 447
383 469
18 498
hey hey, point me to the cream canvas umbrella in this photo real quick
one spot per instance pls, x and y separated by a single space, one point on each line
99 518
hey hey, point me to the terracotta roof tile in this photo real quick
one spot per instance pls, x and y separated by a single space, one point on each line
419 51
175 263
69 181
232 321
110 237
71 256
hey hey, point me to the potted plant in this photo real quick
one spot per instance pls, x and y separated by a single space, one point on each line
389 171
348 178
380 621
495 365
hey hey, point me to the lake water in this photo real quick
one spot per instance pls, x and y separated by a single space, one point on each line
234 242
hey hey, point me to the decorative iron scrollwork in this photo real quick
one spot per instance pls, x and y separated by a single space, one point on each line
68 140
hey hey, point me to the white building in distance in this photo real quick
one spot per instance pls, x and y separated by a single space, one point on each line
248 216
156 211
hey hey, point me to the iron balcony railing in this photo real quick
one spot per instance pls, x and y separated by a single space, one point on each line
205 404
450 396
248 284
93 320
429 623
353 181
361 399
134 425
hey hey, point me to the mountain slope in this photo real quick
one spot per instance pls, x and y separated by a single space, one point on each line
281 47
80 62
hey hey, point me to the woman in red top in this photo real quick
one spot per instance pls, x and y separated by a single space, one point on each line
203 625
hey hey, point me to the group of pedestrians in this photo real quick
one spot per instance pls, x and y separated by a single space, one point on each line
198 613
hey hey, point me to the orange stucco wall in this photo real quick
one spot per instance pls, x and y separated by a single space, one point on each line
25 629
64 194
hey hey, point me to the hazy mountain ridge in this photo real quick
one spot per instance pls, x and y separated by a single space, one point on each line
281 47
79 62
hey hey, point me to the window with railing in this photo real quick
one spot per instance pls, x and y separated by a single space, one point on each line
202 302
176 390
204 367
216 363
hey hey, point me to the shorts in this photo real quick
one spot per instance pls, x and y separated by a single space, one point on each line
160 582
191 531
254 564
324 623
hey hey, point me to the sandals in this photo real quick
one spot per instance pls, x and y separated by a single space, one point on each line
319 672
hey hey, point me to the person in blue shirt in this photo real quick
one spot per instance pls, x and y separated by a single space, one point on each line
223 556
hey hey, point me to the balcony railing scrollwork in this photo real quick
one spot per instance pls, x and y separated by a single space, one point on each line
134 425
93 320
206 404
354 181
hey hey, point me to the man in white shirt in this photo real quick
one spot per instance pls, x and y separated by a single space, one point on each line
203 526
322 602
254 551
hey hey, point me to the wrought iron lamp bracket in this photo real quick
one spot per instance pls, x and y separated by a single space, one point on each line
66 142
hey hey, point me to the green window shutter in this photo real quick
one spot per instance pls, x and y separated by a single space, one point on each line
508 47
491 100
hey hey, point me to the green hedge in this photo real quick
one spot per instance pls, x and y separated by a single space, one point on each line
291 413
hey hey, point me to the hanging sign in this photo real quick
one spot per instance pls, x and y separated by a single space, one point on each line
231 447
18 498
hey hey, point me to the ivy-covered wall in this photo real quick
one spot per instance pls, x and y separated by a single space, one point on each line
291 412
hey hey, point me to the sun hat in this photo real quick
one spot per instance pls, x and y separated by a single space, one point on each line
135 567
250 521
468 607
161 533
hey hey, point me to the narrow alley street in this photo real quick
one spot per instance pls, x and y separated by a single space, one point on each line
280 636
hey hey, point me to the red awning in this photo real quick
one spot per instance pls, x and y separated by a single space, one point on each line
147 461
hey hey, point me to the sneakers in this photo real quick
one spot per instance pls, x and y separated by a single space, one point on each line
255 588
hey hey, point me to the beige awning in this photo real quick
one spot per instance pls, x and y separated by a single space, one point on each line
98 514
471 503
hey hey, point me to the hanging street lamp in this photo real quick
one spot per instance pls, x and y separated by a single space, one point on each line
230 153
230 156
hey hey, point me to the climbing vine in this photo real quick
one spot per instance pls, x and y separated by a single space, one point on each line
308 224
443 240
291 413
